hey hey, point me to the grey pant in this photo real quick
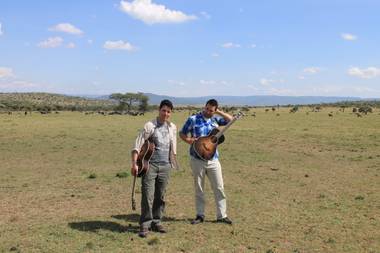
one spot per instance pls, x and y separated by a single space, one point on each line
153 187
213 170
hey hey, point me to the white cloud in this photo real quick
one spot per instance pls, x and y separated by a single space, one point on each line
95 83
118 45
51 42
151 13
1 31
252 87
266 82
18 84
230 45
6 72
312 70
207 82
225 83
66 28
216 83
178 83
70 45
301 77
328 89
215 55
205 15
365 90
367 73
348 36
9 82
282 92
253 46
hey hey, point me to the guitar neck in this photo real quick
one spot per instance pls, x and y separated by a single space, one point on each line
221 132
133 194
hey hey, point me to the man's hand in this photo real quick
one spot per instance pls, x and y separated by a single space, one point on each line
190 140
225 115
134 169
187 139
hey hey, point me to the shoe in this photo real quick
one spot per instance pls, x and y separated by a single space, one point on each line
143 232
198 219
158 228
225 220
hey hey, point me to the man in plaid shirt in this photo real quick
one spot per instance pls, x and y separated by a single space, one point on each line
198 125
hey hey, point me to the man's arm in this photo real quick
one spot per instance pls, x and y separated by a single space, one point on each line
134 167
227 117
186 138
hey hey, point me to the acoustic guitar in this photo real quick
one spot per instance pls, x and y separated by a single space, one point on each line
143 158
205 146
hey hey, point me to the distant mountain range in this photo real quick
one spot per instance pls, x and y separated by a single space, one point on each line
245 100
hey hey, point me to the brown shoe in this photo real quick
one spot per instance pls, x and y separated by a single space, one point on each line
158 228
143 232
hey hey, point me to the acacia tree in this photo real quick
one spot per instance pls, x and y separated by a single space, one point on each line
143 103
127 100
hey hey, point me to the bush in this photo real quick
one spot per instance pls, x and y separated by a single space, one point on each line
365 109
92 176
122 174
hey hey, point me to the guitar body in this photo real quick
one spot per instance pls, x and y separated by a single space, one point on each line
144 156
205 147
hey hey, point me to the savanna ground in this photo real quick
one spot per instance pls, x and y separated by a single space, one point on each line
294 183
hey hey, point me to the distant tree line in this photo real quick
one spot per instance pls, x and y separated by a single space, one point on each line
45 102
139 103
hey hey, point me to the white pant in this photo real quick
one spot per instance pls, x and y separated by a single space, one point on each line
213 170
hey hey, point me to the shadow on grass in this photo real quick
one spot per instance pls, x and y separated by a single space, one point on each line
136 217
95 226
174 219
127 217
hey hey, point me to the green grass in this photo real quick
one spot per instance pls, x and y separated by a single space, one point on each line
294 183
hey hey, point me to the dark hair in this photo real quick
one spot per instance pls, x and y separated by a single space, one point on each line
212 102
166 102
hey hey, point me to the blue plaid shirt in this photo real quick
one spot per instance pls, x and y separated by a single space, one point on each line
199 126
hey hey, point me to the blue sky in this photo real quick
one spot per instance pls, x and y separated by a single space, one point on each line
191 48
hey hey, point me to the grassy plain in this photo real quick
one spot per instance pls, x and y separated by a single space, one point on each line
294 183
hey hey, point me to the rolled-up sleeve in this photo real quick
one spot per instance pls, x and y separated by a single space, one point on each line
221 121
174 129
187 127
141 137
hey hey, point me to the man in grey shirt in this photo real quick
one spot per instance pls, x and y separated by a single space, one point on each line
163 134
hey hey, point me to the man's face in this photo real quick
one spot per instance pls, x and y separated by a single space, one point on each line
164 113
209 111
